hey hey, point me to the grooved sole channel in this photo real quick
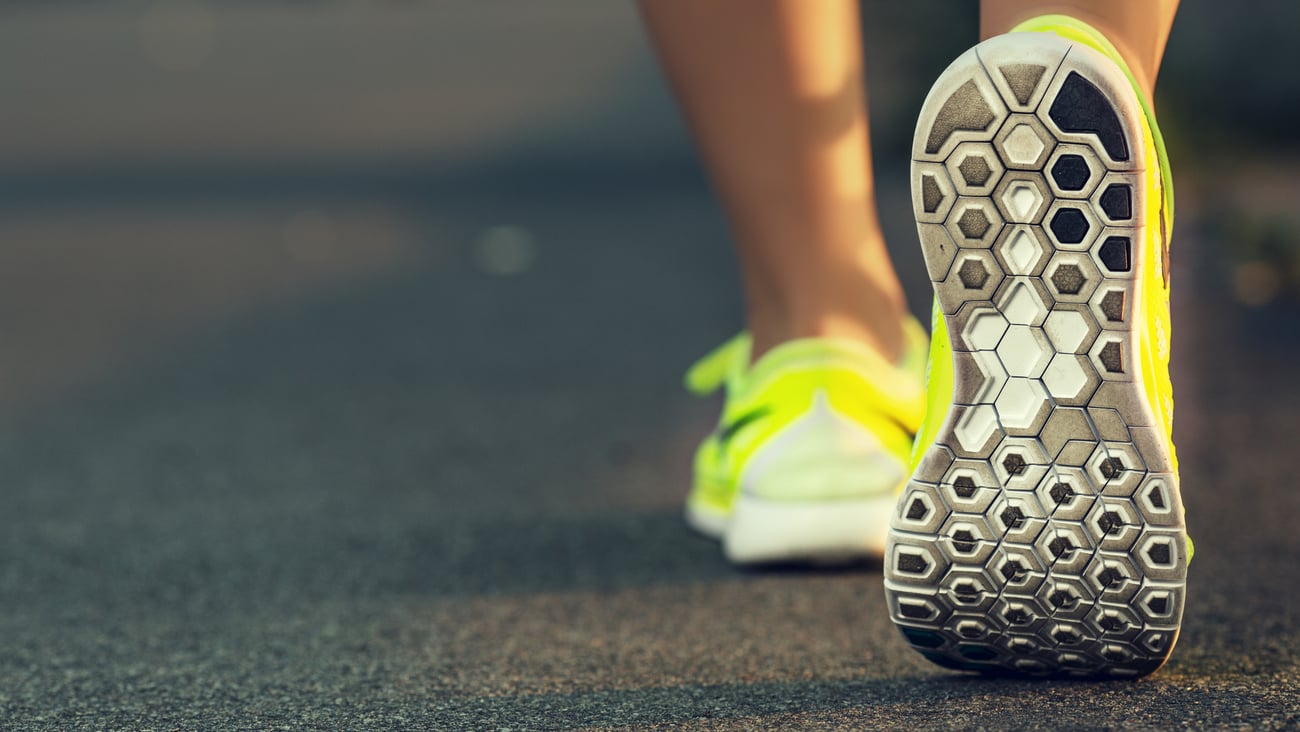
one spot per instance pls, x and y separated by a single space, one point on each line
1043 531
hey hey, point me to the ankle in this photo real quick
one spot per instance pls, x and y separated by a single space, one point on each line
843 288
882 331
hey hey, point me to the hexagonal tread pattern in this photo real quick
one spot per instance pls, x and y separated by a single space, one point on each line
1049 540
1071 172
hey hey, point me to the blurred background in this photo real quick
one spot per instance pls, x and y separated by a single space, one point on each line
340 343
166 166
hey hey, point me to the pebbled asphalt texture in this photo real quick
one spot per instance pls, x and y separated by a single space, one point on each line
295 438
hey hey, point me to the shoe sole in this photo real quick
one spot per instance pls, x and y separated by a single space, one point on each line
828 532
1043 532
707 521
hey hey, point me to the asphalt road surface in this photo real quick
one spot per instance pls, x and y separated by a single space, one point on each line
377 443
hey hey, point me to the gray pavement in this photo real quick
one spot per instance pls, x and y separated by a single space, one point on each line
293 438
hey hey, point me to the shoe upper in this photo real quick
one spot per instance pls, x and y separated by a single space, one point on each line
813 419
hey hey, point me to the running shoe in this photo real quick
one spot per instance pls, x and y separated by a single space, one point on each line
1042 530
812 448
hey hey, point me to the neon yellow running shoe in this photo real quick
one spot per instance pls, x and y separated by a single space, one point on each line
811 450
1042 531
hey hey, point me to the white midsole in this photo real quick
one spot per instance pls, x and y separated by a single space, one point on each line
712 524
761 530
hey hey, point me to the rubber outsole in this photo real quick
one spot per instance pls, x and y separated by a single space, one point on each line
1043 531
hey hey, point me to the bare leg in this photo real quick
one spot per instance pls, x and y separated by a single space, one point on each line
1138 28
774 94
